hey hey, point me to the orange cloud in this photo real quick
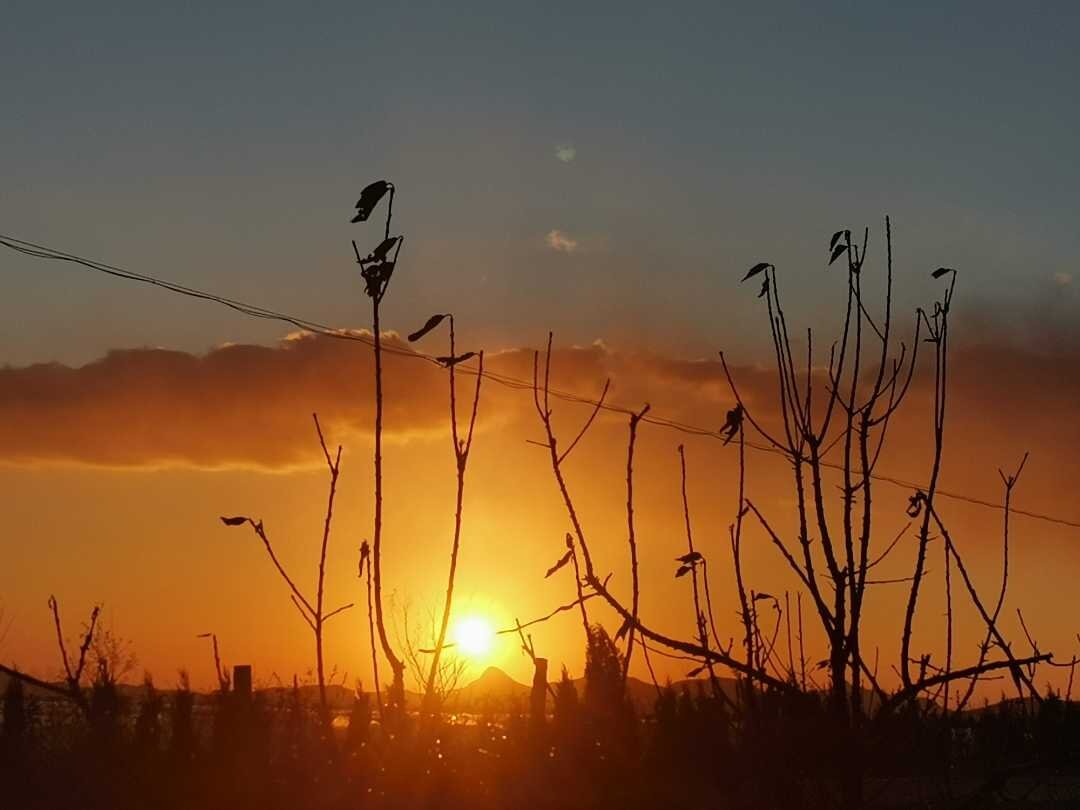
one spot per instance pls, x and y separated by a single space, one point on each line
244 405
236 405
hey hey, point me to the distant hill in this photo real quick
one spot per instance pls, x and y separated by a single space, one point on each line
493 692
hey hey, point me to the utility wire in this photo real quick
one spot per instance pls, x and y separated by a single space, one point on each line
506 380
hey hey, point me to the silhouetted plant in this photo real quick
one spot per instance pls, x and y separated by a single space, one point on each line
364 572
182 740
149 731
15 729
359 719
433 685
312 611
73 669
850 406
221 672
566 711
462 446
376 269
106 705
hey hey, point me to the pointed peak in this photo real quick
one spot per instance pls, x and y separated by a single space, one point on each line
493 673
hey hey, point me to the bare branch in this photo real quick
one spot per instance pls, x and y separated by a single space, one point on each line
588 422
336 611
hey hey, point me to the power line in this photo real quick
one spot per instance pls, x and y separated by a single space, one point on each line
252 310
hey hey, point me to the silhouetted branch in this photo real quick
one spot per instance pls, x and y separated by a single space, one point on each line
312 614
544 411
588 422
302 611
336 611
222 675
1010 482
461 458
692 558
634 420
1017 673
923 684
74 676
365 567
377 274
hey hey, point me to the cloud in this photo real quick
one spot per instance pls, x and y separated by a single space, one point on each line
1063 279
565 152
557 240
250 406
236 405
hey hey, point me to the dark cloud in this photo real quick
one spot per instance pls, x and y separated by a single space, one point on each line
234 405
243 405
250 405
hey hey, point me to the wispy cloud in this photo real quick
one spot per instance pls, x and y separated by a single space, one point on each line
565 152
557 240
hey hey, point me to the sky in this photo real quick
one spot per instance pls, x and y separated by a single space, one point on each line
606 172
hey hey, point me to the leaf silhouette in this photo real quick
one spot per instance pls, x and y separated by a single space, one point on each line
563 560
838 251
385 246
763 595
764 288
683 571
376 276
432 322
734 421
942 271
692 557
914 507
757 268
835 238
695 671
623 629
369 198
239 520
453 361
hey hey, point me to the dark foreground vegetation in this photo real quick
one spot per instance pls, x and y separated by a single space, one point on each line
695 748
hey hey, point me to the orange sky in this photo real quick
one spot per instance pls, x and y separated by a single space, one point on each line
116 472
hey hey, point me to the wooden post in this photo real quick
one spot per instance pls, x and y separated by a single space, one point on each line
242 682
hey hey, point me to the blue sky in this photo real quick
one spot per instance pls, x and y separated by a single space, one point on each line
224 148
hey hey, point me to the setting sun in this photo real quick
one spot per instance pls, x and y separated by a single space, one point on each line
474 636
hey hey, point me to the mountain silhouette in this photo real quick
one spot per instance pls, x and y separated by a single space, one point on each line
495 691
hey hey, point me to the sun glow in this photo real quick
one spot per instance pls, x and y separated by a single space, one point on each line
474 636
